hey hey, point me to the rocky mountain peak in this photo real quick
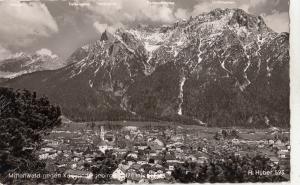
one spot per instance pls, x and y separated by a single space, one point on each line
216 67
106 36
251 22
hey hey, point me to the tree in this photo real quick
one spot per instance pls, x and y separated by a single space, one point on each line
228 169
92 125
225 133
217 136
24 120
234 133
104 167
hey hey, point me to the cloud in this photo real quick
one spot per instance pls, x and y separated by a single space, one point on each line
107 14
279 22
251 6
254 3
47 52
181 14
206 6
102 27
4 53
22 23
131 11
269 6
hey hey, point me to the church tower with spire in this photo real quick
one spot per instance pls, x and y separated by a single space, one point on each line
102 133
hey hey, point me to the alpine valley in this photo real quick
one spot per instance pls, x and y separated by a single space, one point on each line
222 68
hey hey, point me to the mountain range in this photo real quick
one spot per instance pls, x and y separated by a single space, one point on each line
222 68
23 63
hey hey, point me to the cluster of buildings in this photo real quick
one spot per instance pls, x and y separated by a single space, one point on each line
145 155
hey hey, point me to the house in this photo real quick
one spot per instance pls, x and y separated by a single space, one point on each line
75 159
204 150
61 165
43 156
179 155
177 138
275 160
174 144
144 181
133 155
52 156
155 144
178 149
127 137
190 158
278 143
27 148
89 159
271 142
103 148
119 151
134 175
74 165
139 136
48 155
129 163
47 149
142 147
78 153
155 175
158 142
53 143
284 150
130 128
235 141
152 154
142 162
78 174
135 166
124 167
169 172
237 154
202 159
119 174
282 154
274 129
174 162
157 166
171 168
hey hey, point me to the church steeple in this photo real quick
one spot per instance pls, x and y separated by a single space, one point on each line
102 133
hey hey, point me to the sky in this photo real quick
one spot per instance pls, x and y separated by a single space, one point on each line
61 26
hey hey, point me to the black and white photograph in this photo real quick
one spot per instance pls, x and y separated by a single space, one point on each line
144 91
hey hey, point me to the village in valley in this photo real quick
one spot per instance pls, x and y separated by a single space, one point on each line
112 153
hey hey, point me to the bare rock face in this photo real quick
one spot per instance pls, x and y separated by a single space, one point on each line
223 68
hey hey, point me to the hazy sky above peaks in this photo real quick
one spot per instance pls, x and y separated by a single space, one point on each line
61 26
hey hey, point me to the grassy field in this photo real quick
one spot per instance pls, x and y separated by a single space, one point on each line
207 132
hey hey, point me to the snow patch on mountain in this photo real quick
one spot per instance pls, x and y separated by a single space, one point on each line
151 47
215 25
